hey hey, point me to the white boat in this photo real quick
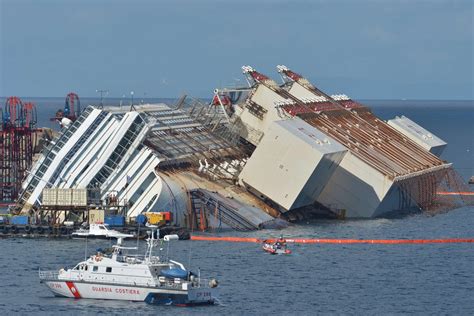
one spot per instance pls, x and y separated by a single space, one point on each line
132 278
98 231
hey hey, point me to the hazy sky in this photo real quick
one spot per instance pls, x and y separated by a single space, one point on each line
367 49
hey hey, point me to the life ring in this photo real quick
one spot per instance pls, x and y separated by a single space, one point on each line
98 258
27 229
14 229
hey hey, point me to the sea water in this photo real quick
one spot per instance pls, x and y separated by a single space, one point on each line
316 278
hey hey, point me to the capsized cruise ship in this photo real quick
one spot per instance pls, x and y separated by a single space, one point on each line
252 158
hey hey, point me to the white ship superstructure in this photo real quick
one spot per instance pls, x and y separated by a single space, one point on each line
382 170
101 150
292 161
418 134
292 164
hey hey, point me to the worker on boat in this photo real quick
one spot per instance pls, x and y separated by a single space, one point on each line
280 242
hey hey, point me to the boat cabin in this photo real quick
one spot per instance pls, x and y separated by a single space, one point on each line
121 269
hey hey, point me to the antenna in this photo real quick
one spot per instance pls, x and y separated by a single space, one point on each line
85 251
138 235
102 92
132 108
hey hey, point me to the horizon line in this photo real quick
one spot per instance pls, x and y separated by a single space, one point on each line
172 98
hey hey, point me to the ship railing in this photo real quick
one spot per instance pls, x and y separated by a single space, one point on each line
139 259
48 275
201 283
169 283
196 283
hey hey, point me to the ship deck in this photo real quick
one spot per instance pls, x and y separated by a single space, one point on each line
366 136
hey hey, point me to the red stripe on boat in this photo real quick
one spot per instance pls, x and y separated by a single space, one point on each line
73 289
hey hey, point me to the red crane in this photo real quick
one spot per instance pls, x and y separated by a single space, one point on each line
72 108
17 140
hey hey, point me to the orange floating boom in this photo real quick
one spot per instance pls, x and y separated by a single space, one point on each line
232 239
340 241
455 193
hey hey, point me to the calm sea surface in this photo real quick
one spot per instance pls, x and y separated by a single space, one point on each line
315 279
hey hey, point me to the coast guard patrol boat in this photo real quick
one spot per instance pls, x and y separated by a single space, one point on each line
132 278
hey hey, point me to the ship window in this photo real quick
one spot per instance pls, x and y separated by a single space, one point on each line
108 269
95 269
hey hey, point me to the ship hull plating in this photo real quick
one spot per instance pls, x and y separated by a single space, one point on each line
104 291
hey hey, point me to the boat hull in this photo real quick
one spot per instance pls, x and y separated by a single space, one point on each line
193 297
275 251
75 289
76 236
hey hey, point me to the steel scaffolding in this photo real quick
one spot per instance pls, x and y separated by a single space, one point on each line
17 140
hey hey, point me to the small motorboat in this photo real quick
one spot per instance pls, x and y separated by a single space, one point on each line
99 231
276 248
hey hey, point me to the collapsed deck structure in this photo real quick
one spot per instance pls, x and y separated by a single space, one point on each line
382 170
